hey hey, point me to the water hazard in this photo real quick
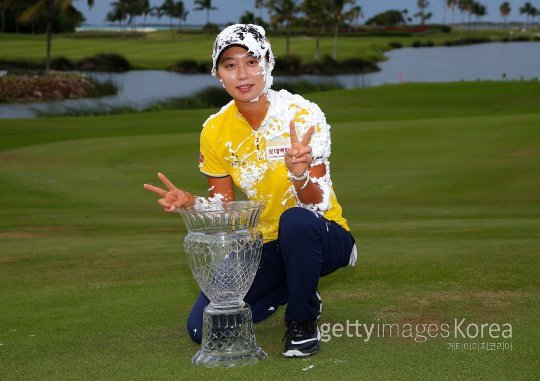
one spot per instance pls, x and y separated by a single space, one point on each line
495 61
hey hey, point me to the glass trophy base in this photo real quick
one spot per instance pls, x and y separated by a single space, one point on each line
227 338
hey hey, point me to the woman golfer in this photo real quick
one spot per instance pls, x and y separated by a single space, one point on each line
274 146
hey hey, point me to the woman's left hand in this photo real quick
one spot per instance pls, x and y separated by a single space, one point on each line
298 158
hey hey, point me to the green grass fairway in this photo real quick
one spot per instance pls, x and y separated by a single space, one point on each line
159 50
440 184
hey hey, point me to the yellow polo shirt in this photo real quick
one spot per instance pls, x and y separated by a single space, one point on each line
255 159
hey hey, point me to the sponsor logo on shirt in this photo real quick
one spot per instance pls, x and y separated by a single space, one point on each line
277 147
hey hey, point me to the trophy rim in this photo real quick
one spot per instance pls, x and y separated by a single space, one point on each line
224 207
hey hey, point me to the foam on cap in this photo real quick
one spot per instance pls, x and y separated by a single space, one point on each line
253 38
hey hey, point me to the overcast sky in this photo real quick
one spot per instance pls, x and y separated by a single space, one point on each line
231 10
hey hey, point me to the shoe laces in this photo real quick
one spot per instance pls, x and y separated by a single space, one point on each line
295 329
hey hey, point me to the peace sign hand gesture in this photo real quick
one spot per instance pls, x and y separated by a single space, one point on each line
172 198
298 158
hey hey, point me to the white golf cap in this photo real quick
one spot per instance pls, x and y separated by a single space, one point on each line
252 37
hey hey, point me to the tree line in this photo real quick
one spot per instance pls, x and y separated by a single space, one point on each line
14 14
472 8
469 10
319 17
35 16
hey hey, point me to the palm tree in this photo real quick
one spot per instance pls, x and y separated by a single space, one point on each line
260 5
530 11
479 10
444 12
355 14
51 9
5 5
525 10
339 14
452 4
175 10
146 10
269 4
317 12
285 11
404 16
118 13
205 4
134 8
247 18
505 10
465 7
422 15
167 9
179 12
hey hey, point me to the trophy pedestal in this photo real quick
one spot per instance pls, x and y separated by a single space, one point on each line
227 338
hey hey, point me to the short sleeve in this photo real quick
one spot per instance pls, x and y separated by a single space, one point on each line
210 163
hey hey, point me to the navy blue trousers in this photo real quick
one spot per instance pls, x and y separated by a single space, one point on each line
308 247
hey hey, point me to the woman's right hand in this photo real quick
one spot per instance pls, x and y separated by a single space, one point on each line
172 198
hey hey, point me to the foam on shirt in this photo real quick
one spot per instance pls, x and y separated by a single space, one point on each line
285 107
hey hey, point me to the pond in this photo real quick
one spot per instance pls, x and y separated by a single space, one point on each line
496 61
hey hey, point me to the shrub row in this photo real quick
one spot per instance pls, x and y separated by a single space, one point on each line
463 41
396 31
210 97
468 41
291 65
217 96
109 62
190 66
520 39
423 44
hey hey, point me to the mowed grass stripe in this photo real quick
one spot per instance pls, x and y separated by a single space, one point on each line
395 102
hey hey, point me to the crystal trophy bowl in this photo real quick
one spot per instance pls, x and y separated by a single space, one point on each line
223 247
